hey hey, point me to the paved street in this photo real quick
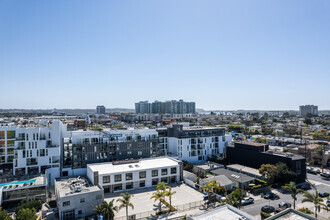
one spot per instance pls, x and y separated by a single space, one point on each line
320 184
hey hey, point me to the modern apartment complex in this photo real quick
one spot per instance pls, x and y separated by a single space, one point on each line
193 144
85 147
167 107
133 174
100 110
32 149
305 109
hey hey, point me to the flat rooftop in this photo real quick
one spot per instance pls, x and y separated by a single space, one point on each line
74 186
233 176
144 164
251 143
244 169
225 212
27 183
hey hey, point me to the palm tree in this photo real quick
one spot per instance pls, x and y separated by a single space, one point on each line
316 200
108 209
158 195
98 209
292 189
170 193
162 186
125 202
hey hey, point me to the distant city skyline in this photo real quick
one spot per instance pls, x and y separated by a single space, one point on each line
223 55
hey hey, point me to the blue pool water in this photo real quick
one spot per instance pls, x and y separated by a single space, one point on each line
21 182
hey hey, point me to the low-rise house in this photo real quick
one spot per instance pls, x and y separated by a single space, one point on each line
222 179
76 197
239 180
245 170
203 169
291 214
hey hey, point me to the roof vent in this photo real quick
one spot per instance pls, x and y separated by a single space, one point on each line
130 166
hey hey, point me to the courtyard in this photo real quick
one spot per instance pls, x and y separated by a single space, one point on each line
184 199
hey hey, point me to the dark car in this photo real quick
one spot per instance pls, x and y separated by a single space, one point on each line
328 202
268 209
325 175
247 201
271 195
305 186
312 171
323 194
284 205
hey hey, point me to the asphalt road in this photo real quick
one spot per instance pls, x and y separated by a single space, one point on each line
254 209
318 178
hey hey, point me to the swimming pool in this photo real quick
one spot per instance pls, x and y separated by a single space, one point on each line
16 183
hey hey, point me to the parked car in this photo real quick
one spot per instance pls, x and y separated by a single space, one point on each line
328 202
247 201
323 194
305 186
284 204
271 195
312 171
268 209
325 175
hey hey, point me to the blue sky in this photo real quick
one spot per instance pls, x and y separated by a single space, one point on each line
221 54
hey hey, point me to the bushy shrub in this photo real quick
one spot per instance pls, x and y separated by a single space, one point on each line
264 215
305 210
36 204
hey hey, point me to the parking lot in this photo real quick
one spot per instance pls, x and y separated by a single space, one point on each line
143 204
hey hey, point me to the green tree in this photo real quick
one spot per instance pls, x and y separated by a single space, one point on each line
316 200
36 204
170 193
158 195
238 196
320 151
4 214
268 171
292 189
108 209
284 174
125 202
26 214
98 209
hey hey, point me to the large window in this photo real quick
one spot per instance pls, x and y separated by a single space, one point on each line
143 174
129 176
10 134
155 173
66 203
154 182
106 179
118 178
129 185
142 183
173 170
118 187
164 171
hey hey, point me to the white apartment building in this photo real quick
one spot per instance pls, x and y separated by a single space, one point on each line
32 149
193 144
133 174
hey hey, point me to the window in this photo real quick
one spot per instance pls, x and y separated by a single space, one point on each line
118 178
82 200
129 185
164 179
129 176
142 183
173 170
154 182
142 174
98 197
106 179
118 187
66 203
154 173
80 212
164 172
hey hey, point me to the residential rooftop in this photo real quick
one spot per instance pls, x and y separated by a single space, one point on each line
74 185
233 176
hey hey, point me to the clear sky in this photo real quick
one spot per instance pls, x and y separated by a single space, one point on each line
221 54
